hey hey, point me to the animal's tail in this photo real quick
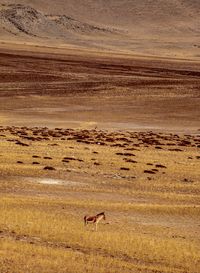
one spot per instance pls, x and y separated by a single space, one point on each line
85 220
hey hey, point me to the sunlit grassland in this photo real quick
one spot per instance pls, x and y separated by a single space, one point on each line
152 225
32 258
167 180
52 221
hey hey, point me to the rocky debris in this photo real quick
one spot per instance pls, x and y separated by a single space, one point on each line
54 144
149 171
118 145
128 154
93 137
49 168
132 149
21 143
69 158
124 169
70 24
158 147
154 170
19 19
128 160
160 166
65 161
102 138
125 154
184 143
186 180
175 150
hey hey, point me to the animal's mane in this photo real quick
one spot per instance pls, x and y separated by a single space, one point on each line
102 213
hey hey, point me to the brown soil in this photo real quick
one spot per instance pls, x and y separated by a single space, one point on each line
105 91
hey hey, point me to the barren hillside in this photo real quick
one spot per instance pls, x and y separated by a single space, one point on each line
166 28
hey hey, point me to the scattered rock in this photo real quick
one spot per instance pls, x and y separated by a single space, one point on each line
69 158
129 154
128 160
160 166
49 168
175 150
125 169
187 180
154 170
54 144
149 171
119 154
21 143
65 161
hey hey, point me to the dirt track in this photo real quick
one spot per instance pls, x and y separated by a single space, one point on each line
108 92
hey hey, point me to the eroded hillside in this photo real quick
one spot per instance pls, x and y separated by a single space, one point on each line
165 28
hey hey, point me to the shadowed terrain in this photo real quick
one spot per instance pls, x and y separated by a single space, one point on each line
85 90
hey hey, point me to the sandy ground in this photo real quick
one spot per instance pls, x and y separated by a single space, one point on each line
76 90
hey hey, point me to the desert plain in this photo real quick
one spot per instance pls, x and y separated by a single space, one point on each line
83 133
99 112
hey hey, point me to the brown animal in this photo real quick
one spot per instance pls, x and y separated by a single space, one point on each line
94 219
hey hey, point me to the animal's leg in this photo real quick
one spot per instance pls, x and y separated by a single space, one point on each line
85 221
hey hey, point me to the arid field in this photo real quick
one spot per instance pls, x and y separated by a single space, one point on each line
100 112
82 133
147 184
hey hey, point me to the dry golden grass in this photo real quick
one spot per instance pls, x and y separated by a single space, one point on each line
151 226
42 223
